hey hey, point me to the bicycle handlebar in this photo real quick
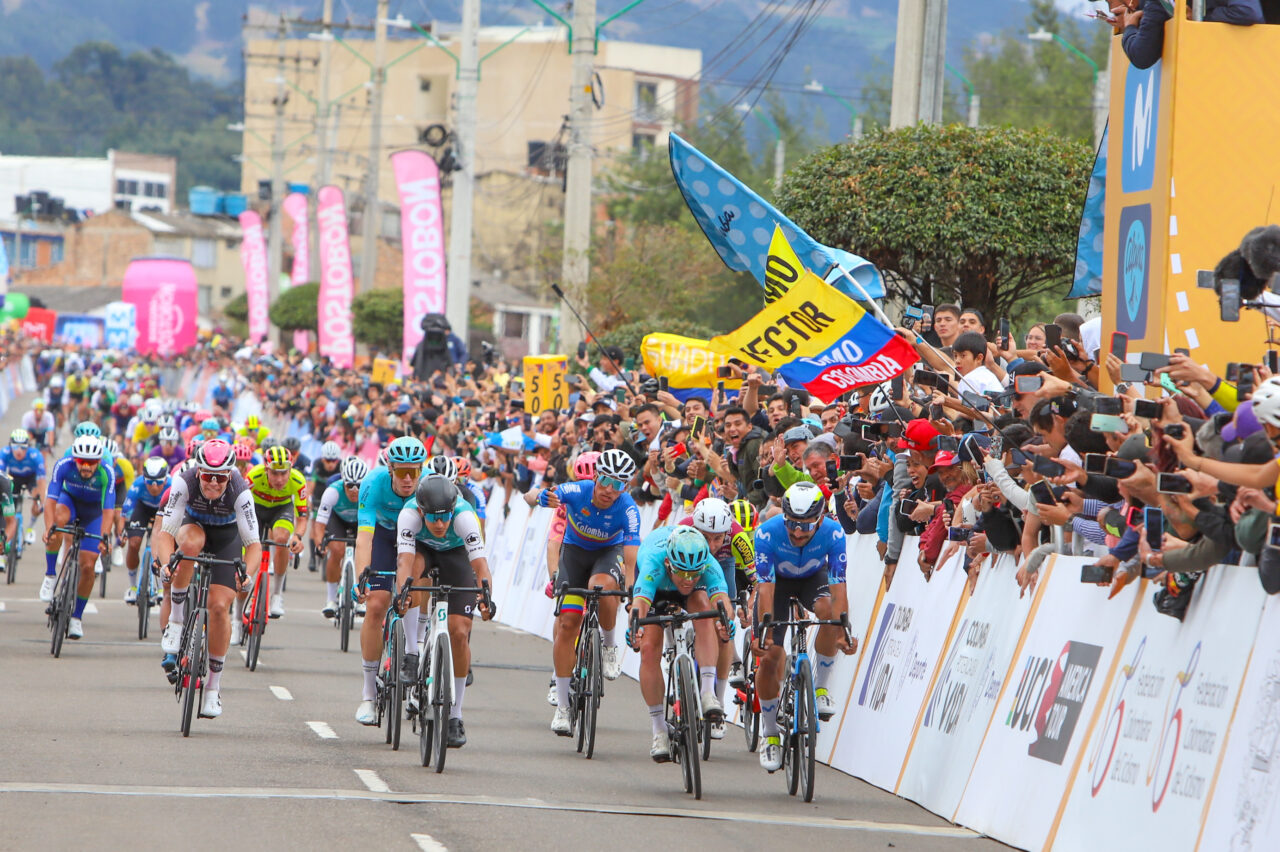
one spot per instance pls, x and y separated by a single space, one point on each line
766 621
594 593
345 539
483 590
76 531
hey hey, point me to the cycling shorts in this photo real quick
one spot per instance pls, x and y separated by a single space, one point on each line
222 542
140 519
335 526
806 589
55 405
23 482
578 566
122 490
74 397
270 517
453 568
90 517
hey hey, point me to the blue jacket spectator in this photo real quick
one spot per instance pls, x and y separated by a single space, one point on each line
1143 42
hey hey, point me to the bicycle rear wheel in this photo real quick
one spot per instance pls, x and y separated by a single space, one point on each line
346 609
143 601
105 562
395 709
257 623
442 702
806 727
191 677
687 725
790 752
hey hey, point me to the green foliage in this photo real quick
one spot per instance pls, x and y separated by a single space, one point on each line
629 335
97 98
377 318
295 310
238 308
989 216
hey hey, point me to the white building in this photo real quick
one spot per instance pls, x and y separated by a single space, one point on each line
120 180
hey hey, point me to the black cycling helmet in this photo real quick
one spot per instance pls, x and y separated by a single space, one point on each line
435 494
291 444
268 442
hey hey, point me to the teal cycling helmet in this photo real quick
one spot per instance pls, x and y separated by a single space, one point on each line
211 425
406 451
87 427
687 549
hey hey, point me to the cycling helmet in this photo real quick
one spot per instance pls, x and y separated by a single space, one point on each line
617 464
38 403
277 458
87 427
20 437
150 414
406 451
166 421
744 512
193 445
135 400
252 422
243 451
87 447
585 465
56 381
879 400
170 435
112 447
1266 401
155 468
183 467
443 465
435 494
215 456
211 425
354 470
292 444
803 501
269 442
464 468
331 451
711 515
687 549
383 459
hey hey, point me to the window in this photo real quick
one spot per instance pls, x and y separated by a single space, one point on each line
513 324
124 204
162 190
131 187
120 184
647 102
28 258
224 292
55 252
203 253
171 246
642 144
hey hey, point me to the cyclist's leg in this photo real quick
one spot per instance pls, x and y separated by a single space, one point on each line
90 517
378 601
456 570
706 644
222 542
725 652
333 555
414 624
280 532
191 539
769 675
651 684
818 599
575 569
607 573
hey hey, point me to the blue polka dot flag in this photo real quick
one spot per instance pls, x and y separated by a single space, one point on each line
1088 274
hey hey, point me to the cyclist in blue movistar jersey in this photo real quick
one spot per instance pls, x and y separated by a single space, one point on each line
82 489
336 516
600 546
141 503
799 554
383 493
25 465
675 566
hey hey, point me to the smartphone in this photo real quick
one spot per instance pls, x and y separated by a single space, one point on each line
1120 344
948 443
527 422
493 421
832 471
927 312
582 350
1271 360
1153 361
1096 573
620 393
696 428
1173 483
854 462
1229 302
1042 493
896 385
1147 409
1095 463
1244 384
1028 384
1177 431
1107 423
930 379
1047 467
1132 516
976 401
767 391
797 409
1108 405
725 372
959 533
629 364
1273 535
1004 332
906 507
720 388
1052 335
662 384
1118 468
1153 522
1134 373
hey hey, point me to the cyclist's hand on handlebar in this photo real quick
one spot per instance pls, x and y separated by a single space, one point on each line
295 543
847 646
723 632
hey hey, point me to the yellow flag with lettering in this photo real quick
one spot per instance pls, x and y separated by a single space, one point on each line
782 268
804 321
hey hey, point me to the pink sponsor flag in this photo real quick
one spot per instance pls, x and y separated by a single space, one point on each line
422 235
295 204
253 254
334 309
163 293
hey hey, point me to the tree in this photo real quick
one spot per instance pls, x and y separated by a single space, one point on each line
378 318
295 310
238 308
989 217
629 335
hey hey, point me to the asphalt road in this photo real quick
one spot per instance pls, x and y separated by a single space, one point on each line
91 755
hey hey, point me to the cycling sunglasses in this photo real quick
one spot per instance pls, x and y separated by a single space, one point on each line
214 477
610 482
799 526
407 471
87 462
684 575
153 481
438 517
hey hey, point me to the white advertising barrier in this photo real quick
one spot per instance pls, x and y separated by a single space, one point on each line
1046 703
898 659
28 374
1244 812
1155 745
963 696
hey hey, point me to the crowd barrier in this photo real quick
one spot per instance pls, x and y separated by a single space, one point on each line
15 380
1055 720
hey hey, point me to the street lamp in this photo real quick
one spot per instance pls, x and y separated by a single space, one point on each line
780 145
855 128
1099 96
974 101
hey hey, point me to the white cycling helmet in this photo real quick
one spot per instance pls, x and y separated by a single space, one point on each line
616 464
1266 401
87 447
155 468
331 451
354 469
170 434
878 401
803 501
712 515
443 465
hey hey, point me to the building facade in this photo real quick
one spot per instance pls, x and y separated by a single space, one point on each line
90 185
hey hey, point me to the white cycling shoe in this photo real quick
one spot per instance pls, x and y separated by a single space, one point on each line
711 709
826 706
771 754
131 595
660 751
367 713
277 606
612 662
560 722
237 630
717 730
171 638
330 609
211 708
46 588
75 629
553 696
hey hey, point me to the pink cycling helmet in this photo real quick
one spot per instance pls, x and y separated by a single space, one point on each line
215 456
585 466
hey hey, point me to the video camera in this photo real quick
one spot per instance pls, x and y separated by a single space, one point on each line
1245 273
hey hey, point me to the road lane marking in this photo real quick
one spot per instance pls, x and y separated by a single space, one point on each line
90 609
323 731
371 780
245 655
1 606
869 826
281 693
427 843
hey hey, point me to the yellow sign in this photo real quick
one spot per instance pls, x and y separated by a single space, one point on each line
806 320
686 361
544 384
384 371
782 268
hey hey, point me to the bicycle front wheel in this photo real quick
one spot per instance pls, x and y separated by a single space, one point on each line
442 681
595 688
687 724
191 678
747 696
806 727
64 599
346 609
143 601
105 562
395 711
11 560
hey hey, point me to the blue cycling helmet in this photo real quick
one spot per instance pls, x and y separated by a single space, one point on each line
687 549
406 451
87 427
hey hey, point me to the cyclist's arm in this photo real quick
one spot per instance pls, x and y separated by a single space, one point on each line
247 522
408 525
327 501
744 554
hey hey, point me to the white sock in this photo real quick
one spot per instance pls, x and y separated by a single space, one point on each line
769 717
133 577
370 691
178 612
721 683
656 719
332 588
708 677
215 673
410 621
459 689
607 635
562 692
423 624
237 610
822 672
279 584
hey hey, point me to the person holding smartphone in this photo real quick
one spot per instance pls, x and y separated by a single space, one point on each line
607 374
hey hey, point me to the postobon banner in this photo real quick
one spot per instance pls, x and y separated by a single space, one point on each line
295 204
334 309
163 293
422 235
688 363
253 256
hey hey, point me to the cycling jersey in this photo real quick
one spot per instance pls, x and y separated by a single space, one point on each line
294 491
222 395
652 576
124 472
463 531
258 435
380 505
29 466
318 473
335 501
175 458
138 494
591 527
143 433
66 482
233 506
38 426
77 386
778 558
477 496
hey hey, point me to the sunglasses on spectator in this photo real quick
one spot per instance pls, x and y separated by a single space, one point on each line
214 477
610 483
799 526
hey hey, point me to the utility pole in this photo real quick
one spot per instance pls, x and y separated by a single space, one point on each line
323 141
918 62
275 233
372 206
458 294
577 199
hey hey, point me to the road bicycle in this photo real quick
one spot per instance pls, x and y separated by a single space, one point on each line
64 590
148 585
253 616
797 713
193 650
689 732
586 685
14 552
346 616
433 689
745 697
390 701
